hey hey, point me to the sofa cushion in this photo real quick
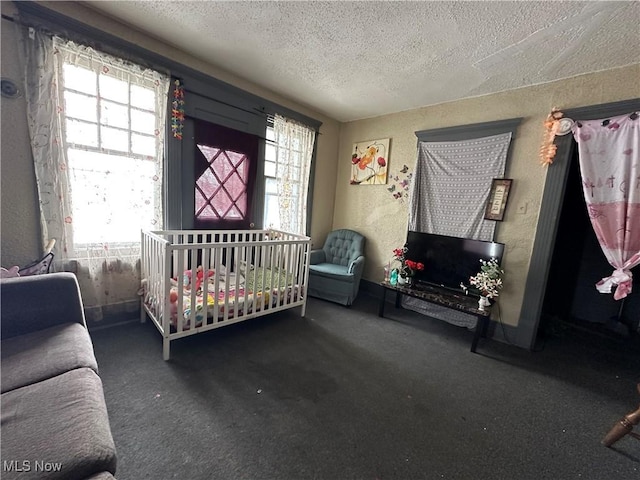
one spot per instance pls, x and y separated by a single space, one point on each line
29 358
62 420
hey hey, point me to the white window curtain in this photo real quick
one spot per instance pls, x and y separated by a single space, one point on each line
96 127
294 144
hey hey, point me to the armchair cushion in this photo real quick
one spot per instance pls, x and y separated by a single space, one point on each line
329 270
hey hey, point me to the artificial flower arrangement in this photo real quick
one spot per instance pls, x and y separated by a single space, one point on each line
551 125
488 281
408 268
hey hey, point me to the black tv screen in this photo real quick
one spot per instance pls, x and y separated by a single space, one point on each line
449 261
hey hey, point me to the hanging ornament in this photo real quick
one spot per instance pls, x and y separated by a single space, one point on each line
177 109
551 126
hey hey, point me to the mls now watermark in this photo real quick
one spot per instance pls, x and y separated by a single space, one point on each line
30 466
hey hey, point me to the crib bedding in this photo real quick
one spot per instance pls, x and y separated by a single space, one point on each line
265 279
234 300
231 301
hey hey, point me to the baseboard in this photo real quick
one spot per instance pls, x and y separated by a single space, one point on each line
108 315
497 330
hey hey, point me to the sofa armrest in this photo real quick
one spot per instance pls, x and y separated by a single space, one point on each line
32 303
317 256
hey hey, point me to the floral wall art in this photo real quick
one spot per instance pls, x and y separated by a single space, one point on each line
369 162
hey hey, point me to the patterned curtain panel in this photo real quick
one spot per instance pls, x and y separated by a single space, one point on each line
448 196
609 153
452 184
96 126
294 150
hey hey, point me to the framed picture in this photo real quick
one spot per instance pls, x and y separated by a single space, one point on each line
369 162
498 199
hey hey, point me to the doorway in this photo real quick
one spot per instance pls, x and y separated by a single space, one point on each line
571 300
539 276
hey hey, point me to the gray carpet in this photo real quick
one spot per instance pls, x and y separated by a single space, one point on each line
343 394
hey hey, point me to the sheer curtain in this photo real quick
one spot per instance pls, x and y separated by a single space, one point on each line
609 153
96 126
294 150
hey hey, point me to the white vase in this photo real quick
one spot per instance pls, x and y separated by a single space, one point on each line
483 303
402 280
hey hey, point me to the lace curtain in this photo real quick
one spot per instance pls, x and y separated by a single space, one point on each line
609 154
96 125
294 150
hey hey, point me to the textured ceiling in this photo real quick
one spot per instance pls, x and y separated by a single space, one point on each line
353 60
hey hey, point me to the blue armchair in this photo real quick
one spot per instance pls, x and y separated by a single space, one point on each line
336 270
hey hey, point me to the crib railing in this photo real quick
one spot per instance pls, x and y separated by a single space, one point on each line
221 264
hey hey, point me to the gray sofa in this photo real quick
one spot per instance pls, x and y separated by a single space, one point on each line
53 412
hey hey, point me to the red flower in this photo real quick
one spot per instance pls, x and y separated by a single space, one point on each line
414 265
381 161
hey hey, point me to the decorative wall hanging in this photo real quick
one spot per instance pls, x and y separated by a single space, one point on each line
498 197
554 125
400 186
177 109
369 162
454 179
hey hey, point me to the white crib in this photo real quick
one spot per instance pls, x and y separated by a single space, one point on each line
228 275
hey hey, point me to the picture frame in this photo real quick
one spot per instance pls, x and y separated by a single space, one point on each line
498 197
370 162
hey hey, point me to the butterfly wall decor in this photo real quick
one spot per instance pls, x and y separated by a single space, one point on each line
400 188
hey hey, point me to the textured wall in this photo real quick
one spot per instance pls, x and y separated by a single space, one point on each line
372 210
20 227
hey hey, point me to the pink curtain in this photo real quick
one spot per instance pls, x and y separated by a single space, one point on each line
609 151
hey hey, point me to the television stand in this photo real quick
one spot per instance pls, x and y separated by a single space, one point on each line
444 298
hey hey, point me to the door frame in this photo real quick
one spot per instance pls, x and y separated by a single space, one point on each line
550 209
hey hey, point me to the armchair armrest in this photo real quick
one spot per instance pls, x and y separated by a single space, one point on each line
37 302
356 267
317 256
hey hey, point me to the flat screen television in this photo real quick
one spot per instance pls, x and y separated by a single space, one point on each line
449 261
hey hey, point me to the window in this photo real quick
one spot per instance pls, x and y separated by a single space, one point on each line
221 191
110 128
271 214
287 169
96 125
